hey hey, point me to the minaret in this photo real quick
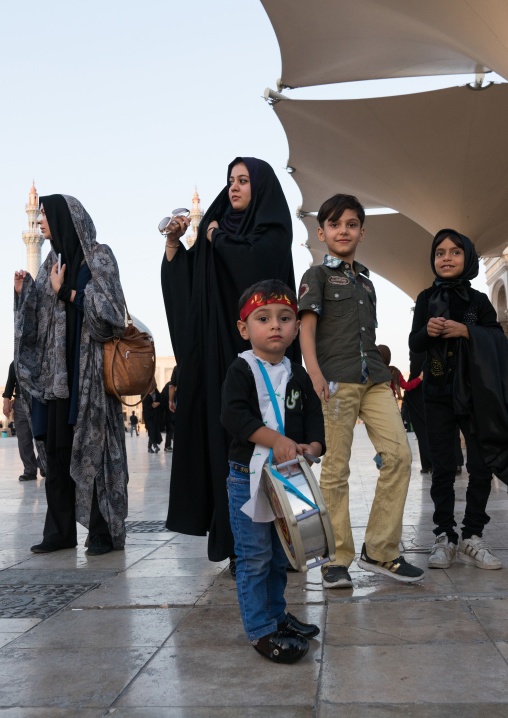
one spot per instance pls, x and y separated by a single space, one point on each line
33 238
196 215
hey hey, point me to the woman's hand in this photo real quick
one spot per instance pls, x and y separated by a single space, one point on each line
7 408
454 330
213 225
57 279
435 326
178 227
18 280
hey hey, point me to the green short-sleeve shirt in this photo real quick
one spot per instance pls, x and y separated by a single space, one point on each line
346 327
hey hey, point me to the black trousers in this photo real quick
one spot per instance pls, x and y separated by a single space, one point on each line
170 428
414 402
25 439
60 524
441 433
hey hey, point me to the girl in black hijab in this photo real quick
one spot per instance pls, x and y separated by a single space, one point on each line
444 316
244 237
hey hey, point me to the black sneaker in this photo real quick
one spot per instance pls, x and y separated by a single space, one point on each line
336 577
398 569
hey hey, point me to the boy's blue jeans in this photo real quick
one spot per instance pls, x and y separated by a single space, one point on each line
260 565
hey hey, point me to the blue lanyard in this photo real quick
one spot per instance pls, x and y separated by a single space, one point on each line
286 483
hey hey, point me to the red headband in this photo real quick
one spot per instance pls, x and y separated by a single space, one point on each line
259 300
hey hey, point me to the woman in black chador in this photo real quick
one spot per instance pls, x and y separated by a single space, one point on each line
244 237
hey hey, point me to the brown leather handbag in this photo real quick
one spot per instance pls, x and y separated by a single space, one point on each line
129 364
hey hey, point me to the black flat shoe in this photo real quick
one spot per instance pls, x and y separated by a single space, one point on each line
98 545
282 647
46 547
293 625
232 568
28 477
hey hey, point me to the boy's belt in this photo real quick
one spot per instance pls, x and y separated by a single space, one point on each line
239 467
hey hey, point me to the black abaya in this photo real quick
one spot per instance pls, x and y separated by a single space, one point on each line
201 290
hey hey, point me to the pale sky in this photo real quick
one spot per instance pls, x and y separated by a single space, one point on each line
128 105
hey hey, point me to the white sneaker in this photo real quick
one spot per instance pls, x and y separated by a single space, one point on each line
443 552
476 550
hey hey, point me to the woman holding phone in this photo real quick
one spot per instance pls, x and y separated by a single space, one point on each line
62 319
244 237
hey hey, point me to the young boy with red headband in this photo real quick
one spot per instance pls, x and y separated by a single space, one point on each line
268 319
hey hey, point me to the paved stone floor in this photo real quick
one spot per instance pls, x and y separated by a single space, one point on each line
155 631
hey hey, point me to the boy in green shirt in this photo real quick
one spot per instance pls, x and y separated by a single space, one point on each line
337 306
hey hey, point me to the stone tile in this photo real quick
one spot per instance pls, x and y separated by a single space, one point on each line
53 712
221 675
77 558
68 678
214 712
410 710
469 580
6 638
503 649
17 625
122 591
19 574
431 673
218 625
401 622
185 549
117 628
493 616
175 567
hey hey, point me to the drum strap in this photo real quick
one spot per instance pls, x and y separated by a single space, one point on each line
286 483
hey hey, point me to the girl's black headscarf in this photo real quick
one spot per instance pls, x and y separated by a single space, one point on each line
440 300
439 303
65 241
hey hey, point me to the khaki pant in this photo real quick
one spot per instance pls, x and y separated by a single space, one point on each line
376 406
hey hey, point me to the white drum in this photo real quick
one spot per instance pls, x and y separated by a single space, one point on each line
305 532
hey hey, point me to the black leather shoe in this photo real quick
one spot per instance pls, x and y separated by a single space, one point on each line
293 625
282 647
46 547
99 545
28 477
150 450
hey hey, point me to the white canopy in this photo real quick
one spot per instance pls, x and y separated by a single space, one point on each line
343 40
440 158
394 246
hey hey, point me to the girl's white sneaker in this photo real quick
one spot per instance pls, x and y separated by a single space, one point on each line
476 550
443 552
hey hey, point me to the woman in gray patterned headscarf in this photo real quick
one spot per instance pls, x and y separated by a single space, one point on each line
61 323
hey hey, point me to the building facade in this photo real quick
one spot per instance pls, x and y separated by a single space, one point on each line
196 215
496 271
33 237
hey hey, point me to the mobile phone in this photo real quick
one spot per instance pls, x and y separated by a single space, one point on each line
59 263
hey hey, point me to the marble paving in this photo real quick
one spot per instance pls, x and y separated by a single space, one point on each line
155 631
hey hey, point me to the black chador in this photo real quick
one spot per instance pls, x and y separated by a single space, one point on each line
201 289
